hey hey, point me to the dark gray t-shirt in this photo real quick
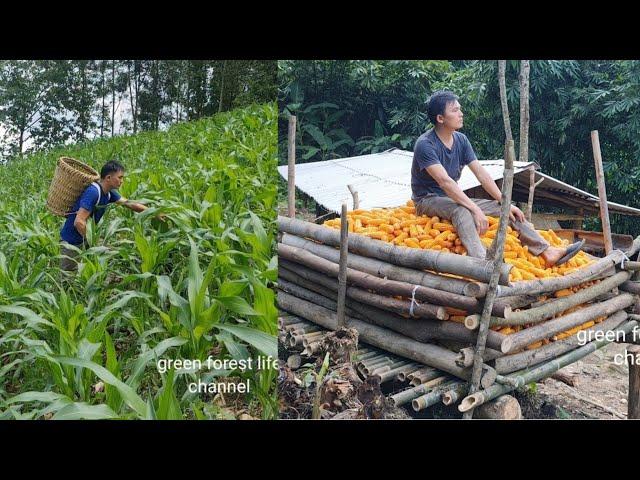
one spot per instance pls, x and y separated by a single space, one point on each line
429 150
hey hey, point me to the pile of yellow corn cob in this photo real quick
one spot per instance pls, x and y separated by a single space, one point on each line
401 226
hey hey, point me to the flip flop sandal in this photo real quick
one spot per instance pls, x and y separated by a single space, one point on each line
572 251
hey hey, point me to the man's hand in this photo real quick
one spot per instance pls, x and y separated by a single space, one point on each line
516 214
161 216
480 220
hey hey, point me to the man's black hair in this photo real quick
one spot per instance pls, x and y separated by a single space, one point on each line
437 104
111 167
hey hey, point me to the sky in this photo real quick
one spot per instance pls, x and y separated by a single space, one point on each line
123 109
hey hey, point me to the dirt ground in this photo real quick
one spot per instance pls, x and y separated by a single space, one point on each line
600 390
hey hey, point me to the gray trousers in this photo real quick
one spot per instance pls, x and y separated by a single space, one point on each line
462 219
68 262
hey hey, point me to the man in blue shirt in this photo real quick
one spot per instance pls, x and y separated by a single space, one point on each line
439 156
92 203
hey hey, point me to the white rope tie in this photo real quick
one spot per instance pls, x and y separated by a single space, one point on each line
413 300
623 260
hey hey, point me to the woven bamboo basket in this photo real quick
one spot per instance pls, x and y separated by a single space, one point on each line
71 178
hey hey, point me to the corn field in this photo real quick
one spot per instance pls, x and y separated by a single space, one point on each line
193 287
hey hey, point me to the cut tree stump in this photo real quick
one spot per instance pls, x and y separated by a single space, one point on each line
505 407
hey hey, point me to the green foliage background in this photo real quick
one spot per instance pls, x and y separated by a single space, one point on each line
347 108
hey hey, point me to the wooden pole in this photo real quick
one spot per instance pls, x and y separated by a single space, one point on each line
542 285
507 184
602 192
414 258
386 270
342 271
530 335
380 285
354 194
527 358
532 188
291 171
523 152
633 356
502 66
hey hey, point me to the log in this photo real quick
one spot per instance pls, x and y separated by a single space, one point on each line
559 305
631 287
405 396
425 353
291 169
417 310
544 285
565 378
393 272
542 371
465 356
505 407
379 285
634 248
454 394
428 399
631 265
342 266
634 382
602 192
519 340
393 374
421 330
423 375
301 292
502 304
404 376
528 358
435 260
472 322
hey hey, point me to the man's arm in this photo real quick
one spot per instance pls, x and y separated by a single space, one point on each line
135 206
492 189
80 223
455 193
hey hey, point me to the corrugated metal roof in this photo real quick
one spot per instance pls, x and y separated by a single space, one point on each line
384 180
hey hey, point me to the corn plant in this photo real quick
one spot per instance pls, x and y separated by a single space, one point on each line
197 285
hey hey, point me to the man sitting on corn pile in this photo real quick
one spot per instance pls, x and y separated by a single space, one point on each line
93 203
439 156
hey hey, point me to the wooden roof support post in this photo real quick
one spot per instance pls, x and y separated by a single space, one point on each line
502 66
523 152
291 170
342 272
602 192
633 356
532 188
499 242
354 194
